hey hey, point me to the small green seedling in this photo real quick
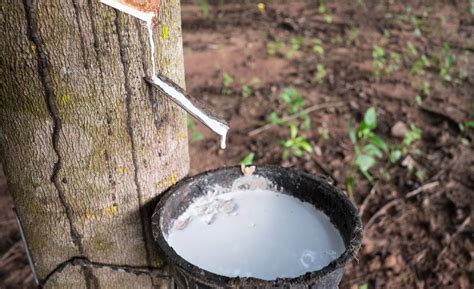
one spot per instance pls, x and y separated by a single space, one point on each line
327 17
293 99
424 92
320 73
420 64
383 62
378 59
317 47
394 64
412 135
412 49
247 89
195 134
248 159
203 6
295 44
368 146
352 37
446 63
416 22
323 133
296 145
295 104
403 149
227 81
275 47
322 8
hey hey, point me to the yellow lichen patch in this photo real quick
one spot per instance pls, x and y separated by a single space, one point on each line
165 33
89 216
112 210
181 136
173 180
122 170
64 99
33 48
168 181
160 185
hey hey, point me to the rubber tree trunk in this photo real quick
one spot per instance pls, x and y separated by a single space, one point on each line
86 145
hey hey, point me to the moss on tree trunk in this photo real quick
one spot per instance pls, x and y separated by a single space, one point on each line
86 145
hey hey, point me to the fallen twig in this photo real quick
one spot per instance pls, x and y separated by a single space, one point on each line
424 187
367 199
461 228
293 117
324 170
382 211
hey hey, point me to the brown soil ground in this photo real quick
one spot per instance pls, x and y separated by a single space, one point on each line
418 223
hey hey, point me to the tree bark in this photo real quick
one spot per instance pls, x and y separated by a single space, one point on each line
86 145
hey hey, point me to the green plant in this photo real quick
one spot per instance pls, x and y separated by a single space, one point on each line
293 99
274 47
394 64
296 145
322 8
248 159
247 89
383 62
353 35
425 91
412 49
323 133
420 64
320 73
468 124
368 146
280 48
317 47
295 44
463 127
412 135
227 81
418 99
446 63
403 149
203 6
378 59
327 17
195 134
275 119
295 104
416 22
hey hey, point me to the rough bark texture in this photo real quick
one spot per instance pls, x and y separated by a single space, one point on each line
86 145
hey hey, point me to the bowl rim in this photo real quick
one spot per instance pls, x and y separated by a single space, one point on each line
176 260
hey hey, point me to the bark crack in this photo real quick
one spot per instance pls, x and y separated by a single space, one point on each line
94 32
151 91
34 36
128 100
77 10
